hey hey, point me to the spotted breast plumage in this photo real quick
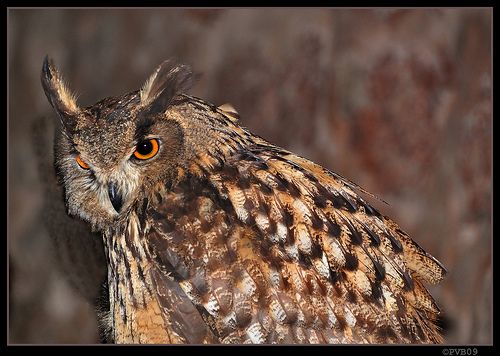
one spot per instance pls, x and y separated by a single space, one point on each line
214 235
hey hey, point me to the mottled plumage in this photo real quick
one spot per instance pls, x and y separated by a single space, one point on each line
223 237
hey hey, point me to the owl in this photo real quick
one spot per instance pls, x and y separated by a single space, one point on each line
214 235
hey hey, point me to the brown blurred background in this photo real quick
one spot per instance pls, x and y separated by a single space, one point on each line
399 101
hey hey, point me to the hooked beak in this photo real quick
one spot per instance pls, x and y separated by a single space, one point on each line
115 197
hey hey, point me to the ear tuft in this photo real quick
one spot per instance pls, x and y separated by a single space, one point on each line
58 94
168 80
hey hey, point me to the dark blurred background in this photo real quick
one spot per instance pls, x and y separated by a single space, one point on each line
398 101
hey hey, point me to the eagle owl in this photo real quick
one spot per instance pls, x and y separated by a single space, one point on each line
214 235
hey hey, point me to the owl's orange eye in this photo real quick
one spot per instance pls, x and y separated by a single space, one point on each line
146 149
81 163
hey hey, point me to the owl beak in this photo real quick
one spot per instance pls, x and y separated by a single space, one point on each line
115 197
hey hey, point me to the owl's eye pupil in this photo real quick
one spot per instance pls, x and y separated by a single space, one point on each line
146 149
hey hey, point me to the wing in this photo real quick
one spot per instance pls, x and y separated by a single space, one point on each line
272 248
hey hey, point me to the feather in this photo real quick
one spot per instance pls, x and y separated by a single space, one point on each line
168 80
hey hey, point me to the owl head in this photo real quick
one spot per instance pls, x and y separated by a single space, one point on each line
108 155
